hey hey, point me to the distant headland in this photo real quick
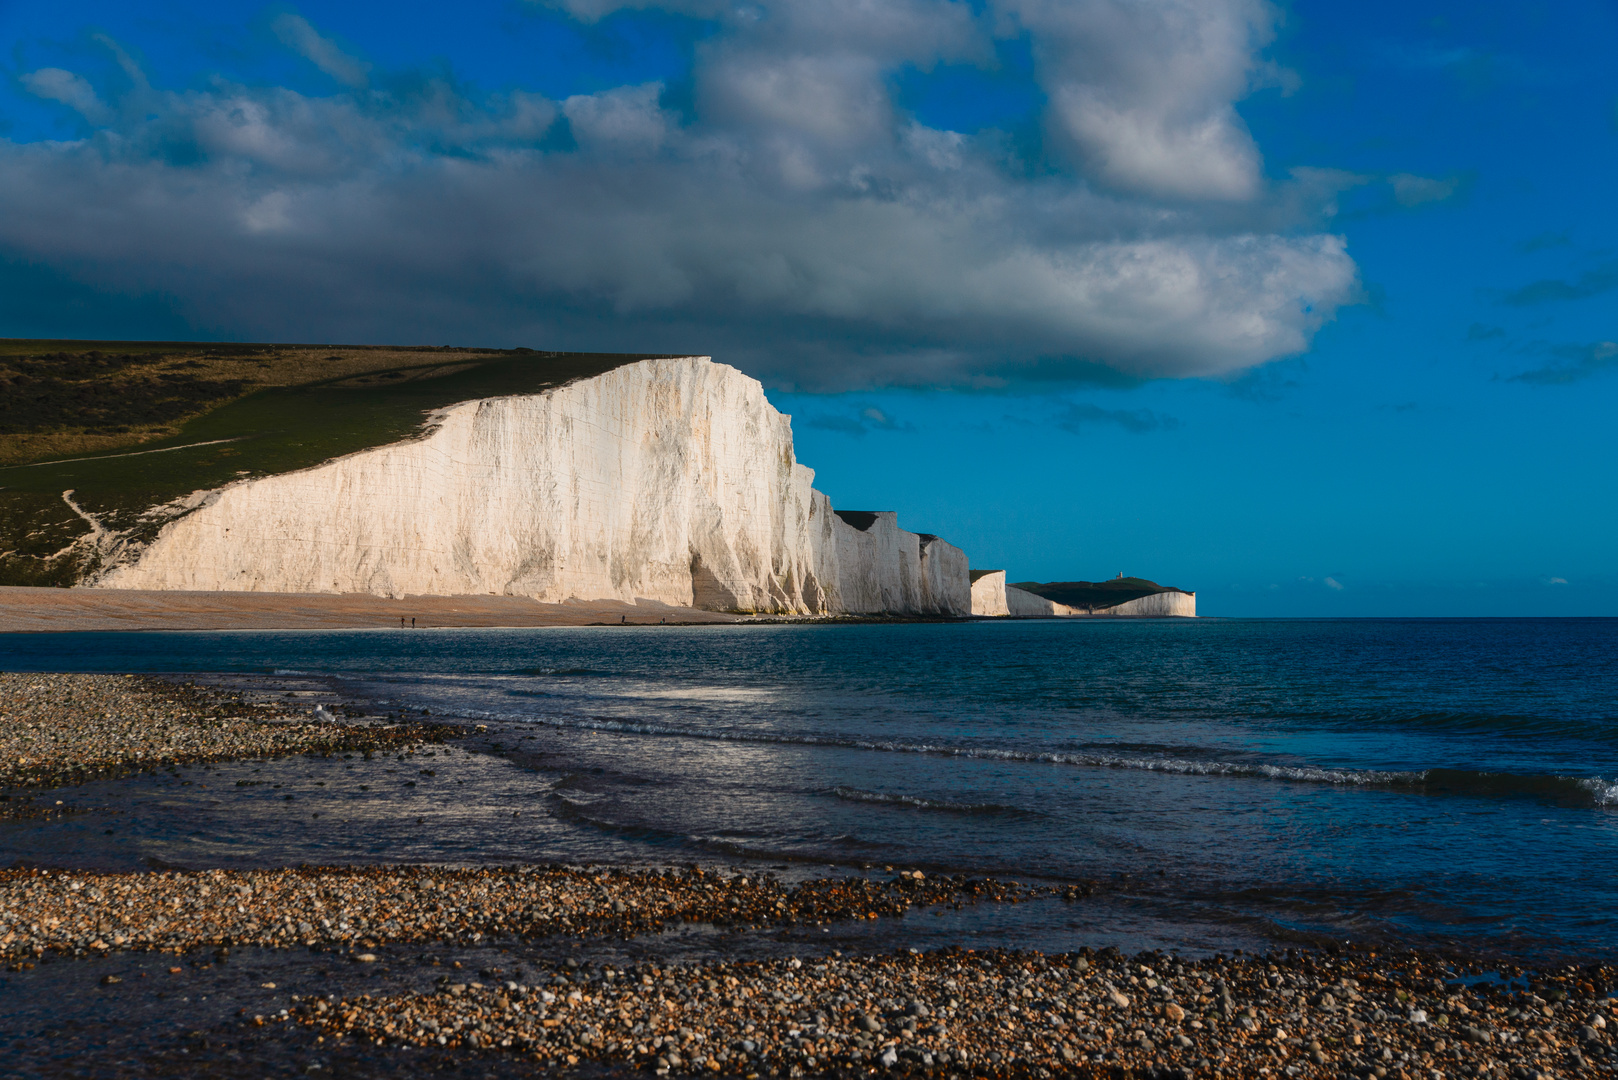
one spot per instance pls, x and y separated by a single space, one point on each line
665 482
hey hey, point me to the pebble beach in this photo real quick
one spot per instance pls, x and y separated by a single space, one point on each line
1007 1014
77 914
61 730
951 1012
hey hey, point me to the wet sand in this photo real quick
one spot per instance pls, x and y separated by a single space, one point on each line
478 970
35 610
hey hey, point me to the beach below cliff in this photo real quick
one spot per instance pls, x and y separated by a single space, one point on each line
493 960
49 610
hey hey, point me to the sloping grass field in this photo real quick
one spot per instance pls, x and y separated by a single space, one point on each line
131 426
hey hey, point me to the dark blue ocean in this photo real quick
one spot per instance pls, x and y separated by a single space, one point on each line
1423 781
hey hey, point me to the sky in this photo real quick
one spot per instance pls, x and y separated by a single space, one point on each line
1308 307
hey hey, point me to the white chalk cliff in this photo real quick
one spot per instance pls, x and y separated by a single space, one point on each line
883 568
667 480
991 596
989 593
1170 602
1027 605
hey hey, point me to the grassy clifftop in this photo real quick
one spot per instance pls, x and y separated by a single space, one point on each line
128 426
1095 594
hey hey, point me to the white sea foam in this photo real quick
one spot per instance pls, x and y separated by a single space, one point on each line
853 794
1602 792
1597 791
1185 766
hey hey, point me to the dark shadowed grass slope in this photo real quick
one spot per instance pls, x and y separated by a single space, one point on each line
68 399
271 430
1095 594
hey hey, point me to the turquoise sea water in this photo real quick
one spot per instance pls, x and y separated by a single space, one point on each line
1421 780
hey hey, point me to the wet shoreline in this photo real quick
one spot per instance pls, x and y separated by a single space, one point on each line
183 949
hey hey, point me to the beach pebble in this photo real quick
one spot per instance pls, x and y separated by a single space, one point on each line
954 1012
776 1020
61 730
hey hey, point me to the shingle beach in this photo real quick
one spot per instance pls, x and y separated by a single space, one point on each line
1005 1013
59 730
950 1012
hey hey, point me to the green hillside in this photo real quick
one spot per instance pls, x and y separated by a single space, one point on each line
1094 595
131 426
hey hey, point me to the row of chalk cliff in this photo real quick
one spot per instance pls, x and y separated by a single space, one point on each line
670 480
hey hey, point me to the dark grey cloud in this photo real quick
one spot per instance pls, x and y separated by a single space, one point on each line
1079 417
1590 283
787 218
38 301
1482 332
1576 363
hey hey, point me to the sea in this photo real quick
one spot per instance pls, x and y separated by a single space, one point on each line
1212 783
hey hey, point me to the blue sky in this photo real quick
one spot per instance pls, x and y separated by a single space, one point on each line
1310 308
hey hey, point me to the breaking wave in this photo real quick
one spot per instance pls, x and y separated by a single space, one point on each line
542 672
1571 790
852 794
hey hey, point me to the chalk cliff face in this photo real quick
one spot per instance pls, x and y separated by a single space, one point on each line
667 480
989 593
883 568
1173 602
1023 603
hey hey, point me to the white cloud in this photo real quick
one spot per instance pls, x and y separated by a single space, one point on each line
74 91
628 118
593 10
1412 190
131 69
940 149
271 213
296 33
1333 584
1145 91
793 220
526 116
837 99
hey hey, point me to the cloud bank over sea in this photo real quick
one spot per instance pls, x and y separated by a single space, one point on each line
779 206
